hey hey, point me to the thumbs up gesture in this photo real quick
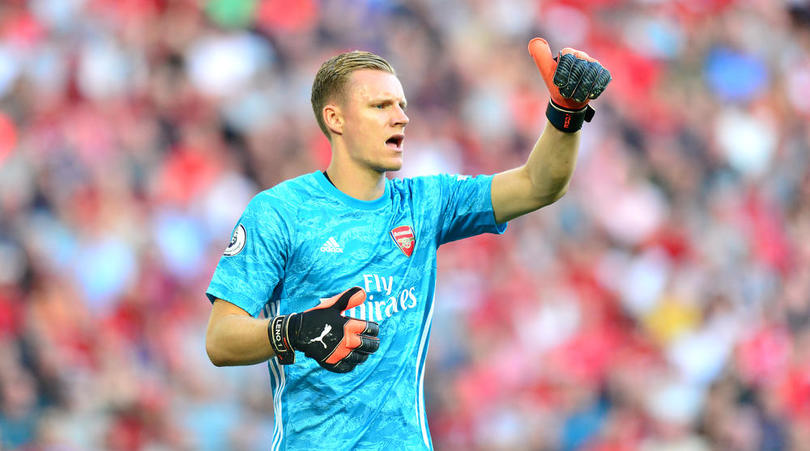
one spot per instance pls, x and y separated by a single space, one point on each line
573 78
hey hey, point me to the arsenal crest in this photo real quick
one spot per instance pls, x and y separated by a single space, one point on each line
403 236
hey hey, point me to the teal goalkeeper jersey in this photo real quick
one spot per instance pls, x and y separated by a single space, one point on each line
304 240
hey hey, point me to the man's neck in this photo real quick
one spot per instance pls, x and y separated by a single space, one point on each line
362 184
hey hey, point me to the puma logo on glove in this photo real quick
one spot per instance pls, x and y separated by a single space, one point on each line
326 329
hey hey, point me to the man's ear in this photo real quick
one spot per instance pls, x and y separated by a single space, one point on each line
333 118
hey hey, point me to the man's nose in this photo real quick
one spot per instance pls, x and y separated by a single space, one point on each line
400 118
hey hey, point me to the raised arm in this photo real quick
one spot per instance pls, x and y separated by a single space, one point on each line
573 79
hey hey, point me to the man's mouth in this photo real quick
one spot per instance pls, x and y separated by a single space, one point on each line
395 141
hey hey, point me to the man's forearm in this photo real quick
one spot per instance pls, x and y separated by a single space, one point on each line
551 163
238 340
541 181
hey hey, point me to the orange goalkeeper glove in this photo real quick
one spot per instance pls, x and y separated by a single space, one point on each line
573 78
338 343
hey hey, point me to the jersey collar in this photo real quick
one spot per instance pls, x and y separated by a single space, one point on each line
348 200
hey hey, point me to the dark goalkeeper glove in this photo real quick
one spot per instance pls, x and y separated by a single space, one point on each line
573 78
338 343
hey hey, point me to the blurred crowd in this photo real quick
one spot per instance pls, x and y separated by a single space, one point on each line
662 304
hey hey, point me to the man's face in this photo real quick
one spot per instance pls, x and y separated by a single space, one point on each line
375 119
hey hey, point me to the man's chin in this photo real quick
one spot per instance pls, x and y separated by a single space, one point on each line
392 166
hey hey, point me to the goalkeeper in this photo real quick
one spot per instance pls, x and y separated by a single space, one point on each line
340 264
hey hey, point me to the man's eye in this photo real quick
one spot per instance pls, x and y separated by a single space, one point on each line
380 106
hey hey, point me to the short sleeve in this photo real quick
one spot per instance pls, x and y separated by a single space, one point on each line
466 207
253 262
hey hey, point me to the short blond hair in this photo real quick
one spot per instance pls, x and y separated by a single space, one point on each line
331 79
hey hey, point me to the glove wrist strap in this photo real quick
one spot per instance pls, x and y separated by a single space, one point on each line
567 120
279 334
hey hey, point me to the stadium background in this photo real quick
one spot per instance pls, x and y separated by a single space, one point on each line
664 301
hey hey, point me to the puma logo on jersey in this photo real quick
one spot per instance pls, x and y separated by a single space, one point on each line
331 245
326 329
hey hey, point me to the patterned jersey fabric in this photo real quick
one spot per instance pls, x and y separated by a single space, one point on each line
303 240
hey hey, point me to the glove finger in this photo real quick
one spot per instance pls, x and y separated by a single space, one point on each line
579 54
340 367
349 342
359 326
342 301
368 345
541 54
585 86
564 65
355 358
602 80
353 342
372 329
361 357
574 78
352 297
